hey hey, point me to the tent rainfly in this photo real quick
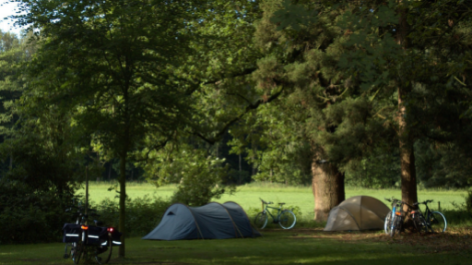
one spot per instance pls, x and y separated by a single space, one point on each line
357 213
211 221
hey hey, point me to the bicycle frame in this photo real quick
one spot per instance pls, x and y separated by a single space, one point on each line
279 211
426 217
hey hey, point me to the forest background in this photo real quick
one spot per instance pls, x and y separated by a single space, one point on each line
212 94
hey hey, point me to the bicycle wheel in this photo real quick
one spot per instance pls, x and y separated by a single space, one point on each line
66 252
392 224
287 219
110 248
398 223
437 222
419 223
261 220
388 223
76 252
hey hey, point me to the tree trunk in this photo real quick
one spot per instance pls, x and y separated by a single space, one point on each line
407 154
122 181
406 141
328 188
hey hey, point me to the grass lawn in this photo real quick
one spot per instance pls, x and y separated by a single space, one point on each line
248 195
297 246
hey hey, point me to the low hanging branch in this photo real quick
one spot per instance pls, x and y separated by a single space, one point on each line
239 117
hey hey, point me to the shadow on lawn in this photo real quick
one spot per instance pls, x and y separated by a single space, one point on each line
313 246
455 240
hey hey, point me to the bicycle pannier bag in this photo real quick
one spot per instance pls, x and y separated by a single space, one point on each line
71 233
94 233
116 238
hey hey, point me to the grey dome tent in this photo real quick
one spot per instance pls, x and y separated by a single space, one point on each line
357 213
211 221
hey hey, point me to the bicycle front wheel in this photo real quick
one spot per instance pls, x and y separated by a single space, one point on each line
437 222
76 252
261 220
287 219
388 223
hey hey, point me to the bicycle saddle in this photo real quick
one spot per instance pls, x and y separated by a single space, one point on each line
281 203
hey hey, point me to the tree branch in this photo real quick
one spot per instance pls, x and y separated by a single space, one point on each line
236 119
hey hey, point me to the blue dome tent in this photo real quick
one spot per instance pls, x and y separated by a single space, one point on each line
211 221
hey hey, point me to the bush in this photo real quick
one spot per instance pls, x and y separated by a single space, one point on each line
199 175
142 214
32 217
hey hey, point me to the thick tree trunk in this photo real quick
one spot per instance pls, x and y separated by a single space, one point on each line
406 140
328 188
407 155
122 220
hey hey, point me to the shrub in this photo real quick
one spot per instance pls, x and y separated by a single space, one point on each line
32 217
142 214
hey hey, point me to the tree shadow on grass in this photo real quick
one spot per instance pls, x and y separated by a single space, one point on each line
313 246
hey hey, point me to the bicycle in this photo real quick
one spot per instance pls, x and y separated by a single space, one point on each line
285 218
430 221
394 219
89 242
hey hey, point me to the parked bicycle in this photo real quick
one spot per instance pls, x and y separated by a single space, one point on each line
89 243
430 221
394 219
284 217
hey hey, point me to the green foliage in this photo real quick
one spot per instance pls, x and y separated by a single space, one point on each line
142 213
443 165
33 213
199 175
380 170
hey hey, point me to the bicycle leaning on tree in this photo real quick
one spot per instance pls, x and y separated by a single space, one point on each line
394 219
430 221
284 217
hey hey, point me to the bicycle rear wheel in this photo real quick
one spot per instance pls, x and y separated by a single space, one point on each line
437 222
419 223
103 252
110 248
261 220
287 219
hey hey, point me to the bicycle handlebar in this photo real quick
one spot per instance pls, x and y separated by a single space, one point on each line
425 202
397 202
265 201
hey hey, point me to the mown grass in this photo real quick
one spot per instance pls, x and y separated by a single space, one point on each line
298 246
294 196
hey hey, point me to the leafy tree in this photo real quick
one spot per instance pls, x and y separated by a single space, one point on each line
112 61
364 64
39 172
325 107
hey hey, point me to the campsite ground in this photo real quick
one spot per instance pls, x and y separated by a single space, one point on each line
306 244
297 246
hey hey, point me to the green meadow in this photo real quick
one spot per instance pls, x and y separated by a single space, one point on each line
294 196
